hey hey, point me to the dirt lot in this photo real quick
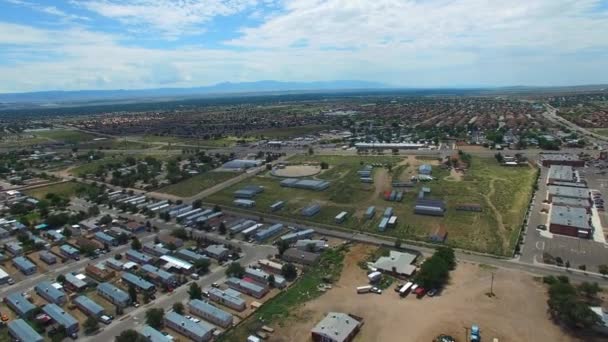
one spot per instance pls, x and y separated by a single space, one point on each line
517 313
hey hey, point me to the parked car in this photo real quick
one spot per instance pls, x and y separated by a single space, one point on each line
542 227
431 292
194 276
376 290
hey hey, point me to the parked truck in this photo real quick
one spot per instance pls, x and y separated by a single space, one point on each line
364 289
374 276
475 336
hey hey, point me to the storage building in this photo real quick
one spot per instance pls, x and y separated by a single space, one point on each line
21 331
247 287
439 235
245 203
59 316
311 245
177 264
18 303
277 205
210 313
307 184
198 332
241 164
561 173
24 265
227 299
425 169
398 264
88 306
113 294
429 207
270 266
476 207
370 212
383 224
239 227
388 212
248 192
341 217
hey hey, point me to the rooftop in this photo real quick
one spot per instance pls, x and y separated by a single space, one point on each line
398 261
197 329
336 326
566 191
569 216
59 316
563 173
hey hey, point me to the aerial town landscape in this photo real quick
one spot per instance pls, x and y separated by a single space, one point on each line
303 170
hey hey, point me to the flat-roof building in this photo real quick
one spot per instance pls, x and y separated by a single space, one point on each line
59 316
210 313
396 263
138 257
113 294
198 332
336 327
307 184
75 282
21 331
570 221
300 256
548 159
217 251
140 283
153 335
571 202
429 207
159 276
388 146
299 235
177 264
565 191
48 257
561 173
311 245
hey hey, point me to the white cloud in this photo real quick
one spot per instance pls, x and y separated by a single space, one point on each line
171 18
52 10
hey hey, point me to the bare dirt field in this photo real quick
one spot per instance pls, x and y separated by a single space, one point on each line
297 171
517 313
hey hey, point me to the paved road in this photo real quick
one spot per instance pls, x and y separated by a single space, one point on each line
551 115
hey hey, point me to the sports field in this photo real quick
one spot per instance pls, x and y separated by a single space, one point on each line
502 192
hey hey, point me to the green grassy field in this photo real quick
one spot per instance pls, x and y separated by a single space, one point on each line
220 142
92 166
601 131
278 309
65 135
279 133
196 184
503 193
67 189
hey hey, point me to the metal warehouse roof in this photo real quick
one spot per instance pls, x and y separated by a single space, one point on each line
569 216
59 315
178 263
24 331
197 329
90 305
210 309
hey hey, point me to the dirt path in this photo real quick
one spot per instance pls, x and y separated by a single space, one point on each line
382 181
501 225
517 313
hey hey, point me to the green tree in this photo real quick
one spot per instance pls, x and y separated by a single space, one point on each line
60 279
130 336
565 306
589 290
136 244
195 291
90 325
178 307
324 166
202 265
282 246
180 233
154 317
235 270
289 271
222 228
447 254
106 219
271 280
197 204
603 269
398 243
133 294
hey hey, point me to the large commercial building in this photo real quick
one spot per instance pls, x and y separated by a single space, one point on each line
307 184
569 192
336 327
198 332
570 221
210 313
561 173
548 159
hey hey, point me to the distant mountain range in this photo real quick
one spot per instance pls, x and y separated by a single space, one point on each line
57 97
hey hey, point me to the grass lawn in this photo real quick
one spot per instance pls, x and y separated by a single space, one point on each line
600 131
92 167
67 189
220 142
503 193
196 184
278 309
68 136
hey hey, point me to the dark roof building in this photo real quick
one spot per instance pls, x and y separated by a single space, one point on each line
300 257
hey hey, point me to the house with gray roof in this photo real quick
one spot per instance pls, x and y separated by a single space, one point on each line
113 294
106 239
69 252
398 264
218 252
153 335
50 293
140 283
48 257
156 250
189 255
14 248
198 332
246 287
18 303
21 331
159 276
336 327
88 306
210 313
300 256
75 282
59 316
24 265
229 299
140 258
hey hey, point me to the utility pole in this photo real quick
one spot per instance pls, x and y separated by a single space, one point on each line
492 286
466 333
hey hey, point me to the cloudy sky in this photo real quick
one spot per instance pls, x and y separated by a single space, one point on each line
110 44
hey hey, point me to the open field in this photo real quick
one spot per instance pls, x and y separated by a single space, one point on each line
220 142
517 313
286 132
91 167
67 189
601 131
279 308
65 135
502 192
196 184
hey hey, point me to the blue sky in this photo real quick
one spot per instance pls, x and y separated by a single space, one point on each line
132 44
